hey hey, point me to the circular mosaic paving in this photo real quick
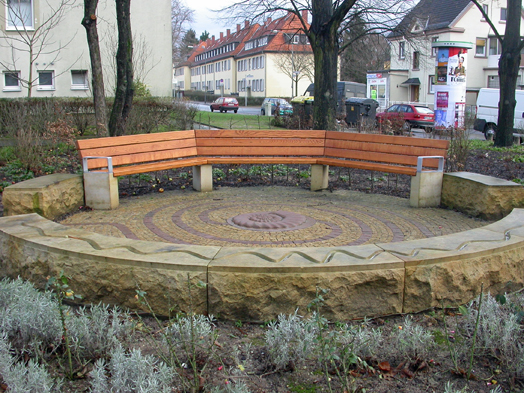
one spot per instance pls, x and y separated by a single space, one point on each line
275 217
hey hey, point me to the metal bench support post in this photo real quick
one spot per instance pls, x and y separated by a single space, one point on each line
426 186
319 177
101 190
203 178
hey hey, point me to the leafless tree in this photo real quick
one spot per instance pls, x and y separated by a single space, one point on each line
180 17
143 57
29 39
329 18
90 23
509 63
297 66
124 70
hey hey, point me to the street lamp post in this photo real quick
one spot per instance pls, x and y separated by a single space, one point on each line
295 77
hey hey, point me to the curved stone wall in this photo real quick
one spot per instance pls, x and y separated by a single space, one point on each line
256 284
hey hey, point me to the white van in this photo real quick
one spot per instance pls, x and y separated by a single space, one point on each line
488 111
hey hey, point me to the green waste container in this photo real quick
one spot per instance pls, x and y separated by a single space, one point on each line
303 106
361 110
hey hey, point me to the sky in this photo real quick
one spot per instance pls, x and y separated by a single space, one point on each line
204 19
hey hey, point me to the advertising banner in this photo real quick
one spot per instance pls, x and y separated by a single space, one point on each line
450 83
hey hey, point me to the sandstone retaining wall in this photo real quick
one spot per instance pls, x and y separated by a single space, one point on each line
256 284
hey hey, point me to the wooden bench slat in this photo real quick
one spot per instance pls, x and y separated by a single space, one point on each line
260 151
115 151
262 160
269 142
82 144
371 166
379 157
316 134
143 158
158 166
389 139
384 148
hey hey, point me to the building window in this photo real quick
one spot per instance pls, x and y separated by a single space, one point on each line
296 39
434 51
12 81
493 81
46 80
480 48
494 47
416 60
79 80
503 14
431 84
401 50
19 14
485 8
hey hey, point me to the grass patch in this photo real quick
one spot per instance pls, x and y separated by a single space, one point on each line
235 121
488 145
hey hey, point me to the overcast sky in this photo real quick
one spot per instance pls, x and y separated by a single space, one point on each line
205 19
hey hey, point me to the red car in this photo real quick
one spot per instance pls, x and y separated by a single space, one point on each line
414 116
224 104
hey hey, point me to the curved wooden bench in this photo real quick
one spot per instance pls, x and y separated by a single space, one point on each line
104 159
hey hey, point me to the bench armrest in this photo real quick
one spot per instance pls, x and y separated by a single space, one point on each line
109 163
440 163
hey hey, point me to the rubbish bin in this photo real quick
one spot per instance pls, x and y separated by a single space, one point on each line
361 110
303 106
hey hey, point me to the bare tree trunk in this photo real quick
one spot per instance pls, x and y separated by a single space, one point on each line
509 63
324 43
124 70
89 22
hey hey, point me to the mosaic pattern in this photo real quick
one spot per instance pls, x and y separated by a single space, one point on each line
271 217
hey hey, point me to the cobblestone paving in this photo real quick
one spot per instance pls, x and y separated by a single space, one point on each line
271 217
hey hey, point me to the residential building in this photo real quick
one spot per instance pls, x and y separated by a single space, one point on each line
60 65
411 73
258 60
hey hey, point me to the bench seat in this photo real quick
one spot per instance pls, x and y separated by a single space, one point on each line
158 166
370 166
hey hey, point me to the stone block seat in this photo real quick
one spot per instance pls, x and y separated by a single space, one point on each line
481 196
51 196
104 159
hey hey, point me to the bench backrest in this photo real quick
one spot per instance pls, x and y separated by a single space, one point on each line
136 149
260 142
388 149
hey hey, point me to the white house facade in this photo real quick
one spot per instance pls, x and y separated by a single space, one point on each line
60 63
411 74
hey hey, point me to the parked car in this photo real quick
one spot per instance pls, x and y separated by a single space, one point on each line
414 116
224 104
285 107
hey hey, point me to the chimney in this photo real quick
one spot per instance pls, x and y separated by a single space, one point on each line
246 24
213 39
228 32
221 35
304 15
238 28
268 21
